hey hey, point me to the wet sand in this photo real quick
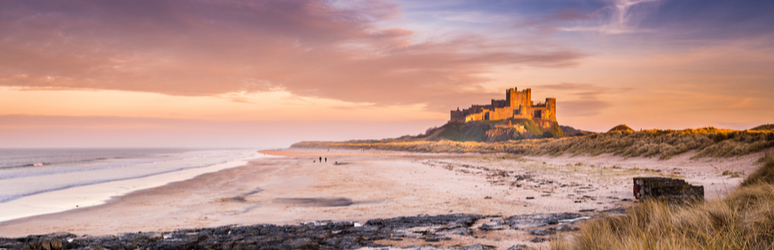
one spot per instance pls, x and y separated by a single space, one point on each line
372 184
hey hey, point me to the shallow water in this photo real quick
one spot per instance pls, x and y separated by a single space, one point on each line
35 181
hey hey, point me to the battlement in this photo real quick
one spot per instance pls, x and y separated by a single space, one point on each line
517 105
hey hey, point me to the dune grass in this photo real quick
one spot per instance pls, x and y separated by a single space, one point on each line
742 220
444 146
708 142
765 174
664 144
764 127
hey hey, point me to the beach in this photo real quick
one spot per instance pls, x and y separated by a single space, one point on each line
356 185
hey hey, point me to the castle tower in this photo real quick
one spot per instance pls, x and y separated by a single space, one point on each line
551 109
510 97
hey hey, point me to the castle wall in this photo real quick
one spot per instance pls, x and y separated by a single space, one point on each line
503 113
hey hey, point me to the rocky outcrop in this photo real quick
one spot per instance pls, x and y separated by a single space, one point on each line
311 235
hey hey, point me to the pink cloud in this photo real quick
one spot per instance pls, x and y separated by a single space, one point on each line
306 47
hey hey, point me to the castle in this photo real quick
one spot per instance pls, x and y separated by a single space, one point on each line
517 105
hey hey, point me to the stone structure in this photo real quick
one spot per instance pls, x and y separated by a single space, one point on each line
666 189
517 105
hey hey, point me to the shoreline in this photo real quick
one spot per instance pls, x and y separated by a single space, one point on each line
370 184
79 197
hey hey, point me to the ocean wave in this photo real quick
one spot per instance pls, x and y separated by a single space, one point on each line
7 198
37 164
15 182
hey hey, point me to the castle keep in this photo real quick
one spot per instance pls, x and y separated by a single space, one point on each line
517 105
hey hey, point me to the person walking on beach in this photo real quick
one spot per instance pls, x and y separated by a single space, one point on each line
320 158
326 159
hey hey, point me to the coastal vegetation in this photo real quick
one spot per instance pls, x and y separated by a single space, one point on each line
744 219
707 142
443 146
488 131
478 137
621 128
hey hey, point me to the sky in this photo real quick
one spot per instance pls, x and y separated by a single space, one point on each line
239 73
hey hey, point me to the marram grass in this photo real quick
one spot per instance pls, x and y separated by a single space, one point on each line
742 220
664 144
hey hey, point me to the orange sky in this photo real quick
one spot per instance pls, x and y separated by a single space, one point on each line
268 73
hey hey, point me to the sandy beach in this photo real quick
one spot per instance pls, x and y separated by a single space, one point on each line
361 185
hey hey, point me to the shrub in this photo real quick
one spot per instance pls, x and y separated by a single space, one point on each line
621 128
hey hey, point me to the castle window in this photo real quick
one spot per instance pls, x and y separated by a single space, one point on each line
538 114
516 112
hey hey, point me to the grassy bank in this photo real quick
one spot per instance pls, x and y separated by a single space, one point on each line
513 147
742 220
707 142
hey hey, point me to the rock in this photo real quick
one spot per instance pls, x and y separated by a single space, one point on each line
519 247
311 235
539 240
489 226
463 231
567 228
302 243
543 232
475 247
535 221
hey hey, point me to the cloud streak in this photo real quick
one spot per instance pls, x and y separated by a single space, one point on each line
201 47
586 100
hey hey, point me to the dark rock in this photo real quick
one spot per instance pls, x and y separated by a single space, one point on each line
475 247
311 235
567 228
450 220
543 232
347 244
330 242
494 224
539 240
534 221
463 231
302 243
519 247
490 226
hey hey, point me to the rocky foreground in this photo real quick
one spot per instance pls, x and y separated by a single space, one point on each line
431 230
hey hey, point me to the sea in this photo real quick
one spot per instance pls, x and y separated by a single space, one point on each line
42 181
